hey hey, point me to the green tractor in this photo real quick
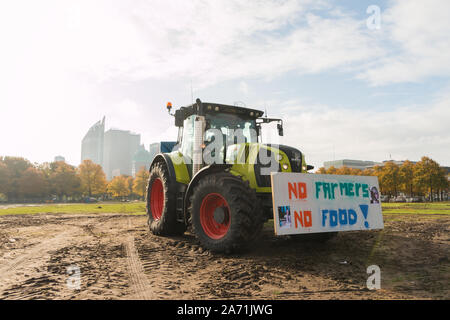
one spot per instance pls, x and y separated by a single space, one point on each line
217 179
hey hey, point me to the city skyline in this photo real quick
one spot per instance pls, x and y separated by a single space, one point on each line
98 129
348 83
113 149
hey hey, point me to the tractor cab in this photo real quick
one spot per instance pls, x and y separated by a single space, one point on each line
222 126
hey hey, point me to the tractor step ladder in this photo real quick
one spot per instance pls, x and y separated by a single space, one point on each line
179 206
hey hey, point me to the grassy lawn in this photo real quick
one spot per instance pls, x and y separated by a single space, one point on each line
127 208
139 208
417 208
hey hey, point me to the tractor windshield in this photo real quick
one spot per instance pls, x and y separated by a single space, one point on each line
234 129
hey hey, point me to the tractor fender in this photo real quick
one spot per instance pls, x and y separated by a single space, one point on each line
213 168
164 158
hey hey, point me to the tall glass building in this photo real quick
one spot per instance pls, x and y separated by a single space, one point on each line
119 149
113 150
92 143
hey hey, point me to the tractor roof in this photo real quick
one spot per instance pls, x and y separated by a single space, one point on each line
216 108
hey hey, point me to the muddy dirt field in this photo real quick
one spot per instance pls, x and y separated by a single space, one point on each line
111 256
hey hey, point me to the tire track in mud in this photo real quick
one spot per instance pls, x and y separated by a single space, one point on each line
26 291
41 272
32 266
179 268
120 259
164 274
174 268
34 252
139 282
43 247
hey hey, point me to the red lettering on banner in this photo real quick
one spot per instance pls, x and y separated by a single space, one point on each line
304 218
298 217
298 190
292 189
308 219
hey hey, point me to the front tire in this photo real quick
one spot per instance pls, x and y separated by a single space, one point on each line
225 214
161 200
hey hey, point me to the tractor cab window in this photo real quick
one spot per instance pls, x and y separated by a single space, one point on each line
187 145
234 128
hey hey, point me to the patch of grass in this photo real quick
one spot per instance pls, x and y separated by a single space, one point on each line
437 208
418 204
133 208
417 208
415 211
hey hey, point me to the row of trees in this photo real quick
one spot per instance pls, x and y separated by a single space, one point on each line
425 177
21 180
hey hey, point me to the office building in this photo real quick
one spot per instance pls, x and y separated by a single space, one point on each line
92 143
354 164
114 150
141 159
119 149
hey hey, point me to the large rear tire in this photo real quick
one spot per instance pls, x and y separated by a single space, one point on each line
161 201
224 213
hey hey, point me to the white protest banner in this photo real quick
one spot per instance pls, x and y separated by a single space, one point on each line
314 203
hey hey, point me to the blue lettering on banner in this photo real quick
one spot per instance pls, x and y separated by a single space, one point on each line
365 211
340 217
352 217
333 218
343 219
324 217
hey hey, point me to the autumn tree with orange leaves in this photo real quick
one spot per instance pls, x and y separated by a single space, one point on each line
93 179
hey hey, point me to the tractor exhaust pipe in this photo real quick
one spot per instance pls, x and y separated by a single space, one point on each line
199 133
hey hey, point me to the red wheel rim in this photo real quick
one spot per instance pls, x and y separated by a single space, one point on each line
157 199
211 227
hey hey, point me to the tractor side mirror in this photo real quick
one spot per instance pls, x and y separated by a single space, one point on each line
280 130
179 118
258 130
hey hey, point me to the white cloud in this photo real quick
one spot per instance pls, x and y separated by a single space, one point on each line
405 133
212 41
416 34
232 40
57 57
124 115
243 87
208 40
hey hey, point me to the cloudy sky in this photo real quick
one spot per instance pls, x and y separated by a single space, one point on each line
350 84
